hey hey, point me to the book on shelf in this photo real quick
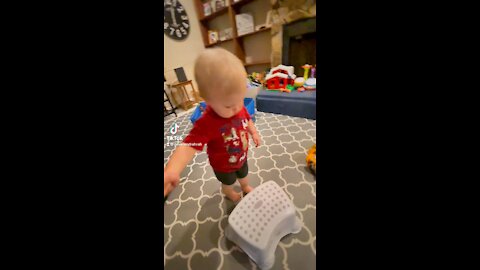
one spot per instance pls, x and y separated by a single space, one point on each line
207 9
226 34
217 5
220 4
212 5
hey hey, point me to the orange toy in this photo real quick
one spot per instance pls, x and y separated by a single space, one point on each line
312 158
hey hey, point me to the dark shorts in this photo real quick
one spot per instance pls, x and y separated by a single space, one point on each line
230 178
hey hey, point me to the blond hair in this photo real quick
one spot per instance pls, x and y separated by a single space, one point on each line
218 71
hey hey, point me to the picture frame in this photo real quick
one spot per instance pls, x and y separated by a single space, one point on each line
226 34
212 36
245 23
213 5
207 9
219 4
221 35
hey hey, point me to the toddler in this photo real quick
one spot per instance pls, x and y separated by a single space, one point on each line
224 125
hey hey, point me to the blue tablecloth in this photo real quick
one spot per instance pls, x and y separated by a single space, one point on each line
298 104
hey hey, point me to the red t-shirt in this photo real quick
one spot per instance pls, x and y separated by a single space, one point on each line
226 139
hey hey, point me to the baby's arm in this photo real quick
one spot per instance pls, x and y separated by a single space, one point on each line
178 161
253 131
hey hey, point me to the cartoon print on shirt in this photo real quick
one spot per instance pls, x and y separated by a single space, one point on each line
232 159
234 134
230 137
233 150
243 156
226 138
243 134
244 123
235 143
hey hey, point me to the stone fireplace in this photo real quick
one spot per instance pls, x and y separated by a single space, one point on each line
293 33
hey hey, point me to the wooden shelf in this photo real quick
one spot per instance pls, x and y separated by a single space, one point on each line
255 32
215 14
240 3
238 42
218 42
256 63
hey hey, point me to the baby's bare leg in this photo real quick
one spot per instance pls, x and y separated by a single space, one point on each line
244 184
230 193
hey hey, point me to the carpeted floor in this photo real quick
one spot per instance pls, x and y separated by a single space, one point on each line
196 213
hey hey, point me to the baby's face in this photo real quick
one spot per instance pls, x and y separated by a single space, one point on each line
226 107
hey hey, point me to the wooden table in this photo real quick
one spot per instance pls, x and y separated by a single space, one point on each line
185 102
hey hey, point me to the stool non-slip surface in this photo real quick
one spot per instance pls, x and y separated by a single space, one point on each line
259 212
259 238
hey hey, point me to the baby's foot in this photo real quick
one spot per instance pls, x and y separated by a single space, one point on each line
232 195
247 189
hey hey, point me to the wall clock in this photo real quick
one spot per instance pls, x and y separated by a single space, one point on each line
175 20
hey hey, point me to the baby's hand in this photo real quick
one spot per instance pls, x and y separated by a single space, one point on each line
171 181
256 139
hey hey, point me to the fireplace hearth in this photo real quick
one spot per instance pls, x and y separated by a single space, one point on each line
299 44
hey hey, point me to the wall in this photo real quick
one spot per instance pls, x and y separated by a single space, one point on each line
183 53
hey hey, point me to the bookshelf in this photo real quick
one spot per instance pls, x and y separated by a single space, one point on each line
213 15
218 42
254 46
254 32
257 63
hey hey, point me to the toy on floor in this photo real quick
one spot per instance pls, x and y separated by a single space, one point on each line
299 82
310 83
312 158
257 79
260 220
306 67
280 77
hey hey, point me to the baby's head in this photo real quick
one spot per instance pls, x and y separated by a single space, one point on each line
221 80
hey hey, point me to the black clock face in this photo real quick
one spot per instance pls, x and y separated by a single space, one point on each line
175 20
